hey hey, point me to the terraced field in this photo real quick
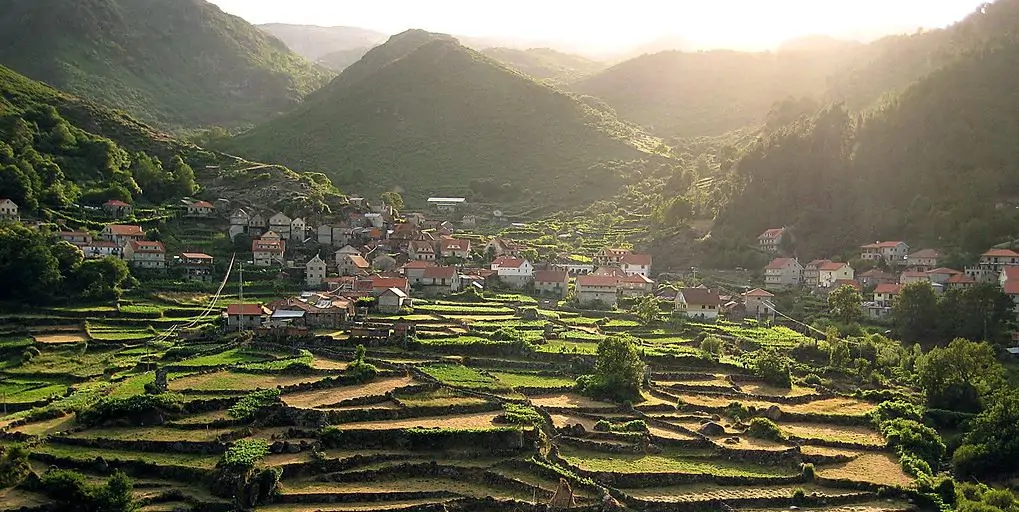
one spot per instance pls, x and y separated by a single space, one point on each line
466 422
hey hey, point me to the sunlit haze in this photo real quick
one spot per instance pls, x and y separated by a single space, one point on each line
612 26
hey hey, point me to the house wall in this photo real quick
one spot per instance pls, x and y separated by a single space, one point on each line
550 288
590 295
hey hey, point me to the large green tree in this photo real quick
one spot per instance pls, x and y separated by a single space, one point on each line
618 372
980 312
991 447
960 376
915 312
844 304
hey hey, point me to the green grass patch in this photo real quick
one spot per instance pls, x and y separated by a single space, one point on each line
457 375
671 462
228 357
533 380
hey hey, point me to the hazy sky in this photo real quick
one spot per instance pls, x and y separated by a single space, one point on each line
604 25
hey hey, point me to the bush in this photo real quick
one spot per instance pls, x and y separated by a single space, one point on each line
131 409
807 470
890 410
247 407
359 370
764 428
72 491
506 334
799 496
244 455
813 379
521 414
603 426
711 347
912 439
629 426
773 368
14 465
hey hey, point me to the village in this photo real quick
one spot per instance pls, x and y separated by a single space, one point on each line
373 255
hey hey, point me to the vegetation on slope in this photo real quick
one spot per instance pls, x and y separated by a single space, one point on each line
443 115
546 63
316 43
179 63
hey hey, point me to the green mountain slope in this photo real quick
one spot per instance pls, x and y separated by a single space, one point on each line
442 118
936 166
174 63
57 149
680 94
342 59
546 63
314 42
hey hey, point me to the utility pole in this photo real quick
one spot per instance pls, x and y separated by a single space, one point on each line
240 272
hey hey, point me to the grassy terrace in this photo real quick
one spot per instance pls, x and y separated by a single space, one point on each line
120 359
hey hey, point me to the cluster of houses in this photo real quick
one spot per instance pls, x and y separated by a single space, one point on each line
900 268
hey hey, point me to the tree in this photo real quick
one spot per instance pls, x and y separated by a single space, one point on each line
844 303
772 366
393 199
183 177
68 256
980 312
646 309
102 278
960 376
915 312
30 270
991 447
530 254
618 372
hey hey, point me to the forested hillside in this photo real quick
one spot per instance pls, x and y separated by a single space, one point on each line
56 149
935 166
546 63
173 63
430 116
314 42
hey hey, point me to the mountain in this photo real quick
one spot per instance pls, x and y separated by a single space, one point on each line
315 43
682 94
546 63
428 116
935 166
172 63
342 59
57 150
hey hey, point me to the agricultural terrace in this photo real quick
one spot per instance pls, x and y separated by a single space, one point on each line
481 405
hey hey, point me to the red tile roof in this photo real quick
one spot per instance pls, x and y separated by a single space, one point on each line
422 246
439 273
818 263
876 272
1001 253
888 288
116 202
202 204
704 296
244 309
146 246
358 261
944 270
635 279
914 273
196 256
961 279
389 282
882 245
267 246
550 276
418 264
592 280
833 266
507 262
1011 287
1011 273
125 230
455 244
757 292
779 263
636 259
851 282
772 233
925 253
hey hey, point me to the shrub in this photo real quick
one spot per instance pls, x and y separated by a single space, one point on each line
521 414
799 496
14 465
813 379
244 455
711 346
910 438
807 470
131 408
773 367
603 426
764 428
890 410
247 407
737 411
359 369
506 334
72 491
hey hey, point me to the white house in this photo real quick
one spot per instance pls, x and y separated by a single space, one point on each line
121 234
298 229
201 209
636 264
991 264
893 252
833 271
771 239
513 271
421 250
759 304
280 223
9 210
145 254
347 250
315 271
455 248
268 252
702 303
782 273
593 289
924 259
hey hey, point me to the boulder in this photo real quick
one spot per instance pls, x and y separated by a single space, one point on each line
711 429
773 413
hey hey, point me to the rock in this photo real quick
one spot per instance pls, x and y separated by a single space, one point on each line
773 413
291 447
711 429
276 447
715 417
731 440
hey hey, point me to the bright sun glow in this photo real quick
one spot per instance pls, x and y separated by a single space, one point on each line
604 26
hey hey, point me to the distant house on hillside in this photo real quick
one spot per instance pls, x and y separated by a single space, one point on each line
145 254
551 282
516 272
812 273
268 252
592 289
352 265
201 209
280 223
439 280
701 303
421 250
245 317
392 300
771 240
834 271
924 259
447 204
636 264
782 273
503 247
874 277
758 304
9 210
893 252
121 234
991 264
455 248
117 208
196 265
315 272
